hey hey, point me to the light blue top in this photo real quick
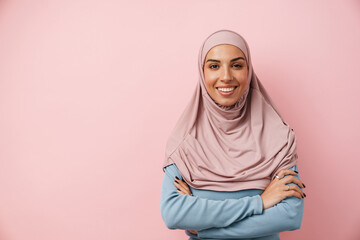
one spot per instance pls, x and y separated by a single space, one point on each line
220 215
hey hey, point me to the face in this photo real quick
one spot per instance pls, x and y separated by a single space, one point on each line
226 74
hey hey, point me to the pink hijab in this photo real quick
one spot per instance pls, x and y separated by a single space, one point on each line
230 148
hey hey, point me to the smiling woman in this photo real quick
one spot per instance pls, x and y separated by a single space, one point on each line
226 74
230 162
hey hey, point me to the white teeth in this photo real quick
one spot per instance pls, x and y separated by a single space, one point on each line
226 89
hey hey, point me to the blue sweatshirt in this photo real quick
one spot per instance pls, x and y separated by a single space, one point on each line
220 215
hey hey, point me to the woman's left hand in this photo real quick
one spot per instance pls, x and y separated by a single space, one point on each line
184 189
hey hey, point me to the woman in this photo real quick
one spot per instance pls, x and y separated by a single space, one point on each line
230 163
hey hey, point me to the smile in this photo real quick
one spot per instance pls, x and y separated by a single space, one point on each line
226 91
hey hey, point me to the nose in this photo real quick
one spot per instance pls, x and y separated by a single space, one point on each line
226 75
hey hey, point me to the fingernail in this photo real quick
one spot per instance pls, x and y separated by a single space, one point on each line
176 181
304 194
177 178
304 185
296 172
178 189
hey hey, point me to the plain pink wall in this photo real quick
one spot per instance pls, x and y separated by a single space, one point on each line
90 91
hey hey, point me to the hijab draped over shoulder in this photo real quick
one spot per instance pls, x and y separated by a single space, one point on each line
230 148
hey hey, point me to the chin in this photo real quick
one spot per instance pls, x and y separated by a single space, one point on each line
226 103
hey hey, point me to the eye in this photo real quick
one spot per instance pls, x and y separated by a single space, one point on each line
238 65
213 66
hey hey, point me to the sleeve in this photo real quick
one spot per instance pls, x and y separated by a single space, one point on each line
181 211
284 216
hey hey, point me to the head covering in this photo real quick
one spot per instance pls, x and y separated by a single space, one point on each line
230 148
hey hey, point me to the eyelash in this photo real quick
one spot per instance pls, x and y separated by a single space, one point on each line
211 66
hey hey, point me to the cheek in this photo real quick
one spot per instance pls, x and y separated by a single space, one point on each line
210 79
243 78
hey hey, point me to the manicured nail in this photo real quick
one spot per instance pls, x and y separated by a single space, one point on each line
304 185
296 172
178 189
177 178
304 194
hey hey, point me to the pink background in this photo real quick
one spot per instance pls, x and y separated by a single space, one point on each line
90 91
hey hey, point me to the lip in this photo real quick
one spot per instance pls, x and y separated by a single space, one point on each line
226 94
230 86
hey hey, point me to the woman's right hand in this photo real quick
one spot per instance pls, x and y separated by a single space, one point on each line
278 190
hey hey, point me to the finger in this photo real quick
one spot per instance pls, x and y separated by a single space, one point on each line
295 188
178 180
292 179
181 192
184 185
187 190
182 189
284 172
178 186
289 179
293 193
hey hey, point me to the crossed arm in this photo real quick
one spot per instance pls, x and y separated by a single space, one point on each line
191 212
226 219
284 216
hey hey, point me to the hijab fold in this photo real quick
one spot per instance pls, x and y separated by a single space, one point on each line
230 148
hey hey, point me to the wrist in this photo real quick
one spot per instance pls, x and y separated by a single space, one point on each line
262 203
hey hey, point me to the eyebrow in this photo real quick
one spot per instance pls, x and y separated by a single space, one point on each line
213 60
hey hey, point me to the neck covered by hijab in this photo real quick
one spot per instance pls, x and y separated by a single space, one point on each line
230 148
